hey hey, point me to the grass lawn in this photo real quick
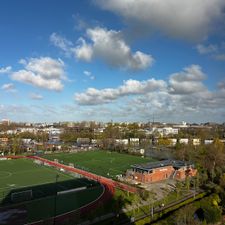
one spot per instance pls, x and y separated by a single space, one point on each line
103 163
17 174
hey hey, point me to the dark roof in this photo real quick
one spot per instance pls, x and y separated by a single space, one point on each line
153 165
54 142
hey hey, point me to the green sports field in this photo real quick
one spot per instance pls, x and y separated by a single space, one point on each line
17 175
103 163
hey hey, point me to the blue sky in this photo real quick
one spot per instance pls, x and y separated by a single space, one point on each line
112 60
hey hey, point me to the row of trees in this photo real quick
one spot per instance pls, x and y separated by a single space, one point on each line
15 144
205 211
210 162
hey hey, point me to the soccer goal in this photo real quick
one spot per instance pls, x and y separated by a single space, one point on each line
39 162
21 196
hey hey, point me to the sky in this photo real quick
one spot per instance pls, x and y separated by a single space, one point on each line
114 60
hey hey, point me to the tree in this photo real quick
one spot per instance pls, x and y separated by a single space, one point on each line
16 146
185 216
212 212
4 149
222 180
178 189
137 200
164 142
187 183
215 158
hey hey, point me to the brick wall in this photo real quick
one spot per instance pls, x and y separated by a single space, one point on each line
158 174
163 173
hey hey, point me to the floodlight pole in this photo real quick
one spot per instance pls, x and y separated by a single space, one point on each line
55 198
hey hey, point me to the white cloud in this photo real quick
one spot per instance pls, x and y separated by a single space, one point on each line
109 46
219 57
61 43
8 87
221 85
89 75
192 20
182 97
130 87
43 72
106 45
215 51
83 50
206 49
5 70
11 109
183 83
187 81
36 96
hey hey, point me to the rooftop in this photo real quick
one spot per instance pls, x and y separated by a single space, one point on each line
153 165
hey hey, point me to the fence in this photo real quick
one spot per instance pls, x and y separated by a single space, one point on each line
103 180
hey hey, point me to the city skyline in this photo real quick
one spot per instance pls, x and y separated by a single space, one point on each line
112 60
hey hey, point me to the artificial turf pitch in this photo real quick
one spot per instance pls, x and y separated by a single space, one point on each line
24 174
18 173
104 163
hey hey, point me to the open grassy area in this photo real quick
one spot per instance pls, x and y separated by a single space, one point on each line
17 175
103 163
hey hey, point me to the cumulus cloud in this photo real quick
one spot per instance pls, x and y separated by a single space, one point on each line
109 46
182 97
215 51
187 81
192 20
43 72
89 74
5 70
183 84
62 43
8 87
106 45
221 85
83 50
36 96
130 87
219 57
206 49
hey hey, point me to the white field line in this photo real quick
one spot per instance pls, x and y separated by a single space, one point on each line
40 183
9 174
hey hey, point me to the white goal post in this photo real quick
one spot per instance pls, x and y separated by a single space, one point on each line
39 162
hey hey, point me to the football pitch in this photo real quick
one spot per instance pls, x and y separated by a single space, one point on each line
104 163
18 175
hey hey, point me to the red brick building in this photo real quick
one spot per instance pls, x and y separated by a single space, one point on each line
161 170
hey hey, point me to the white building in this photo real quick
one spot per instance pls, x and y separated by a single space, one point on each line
183 141
169 130
196 141
182 125
122 141
165 131
208 142
173 141
134 141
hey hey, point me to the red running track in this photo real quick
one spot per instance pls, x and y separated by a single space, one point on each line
102 180
108 184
